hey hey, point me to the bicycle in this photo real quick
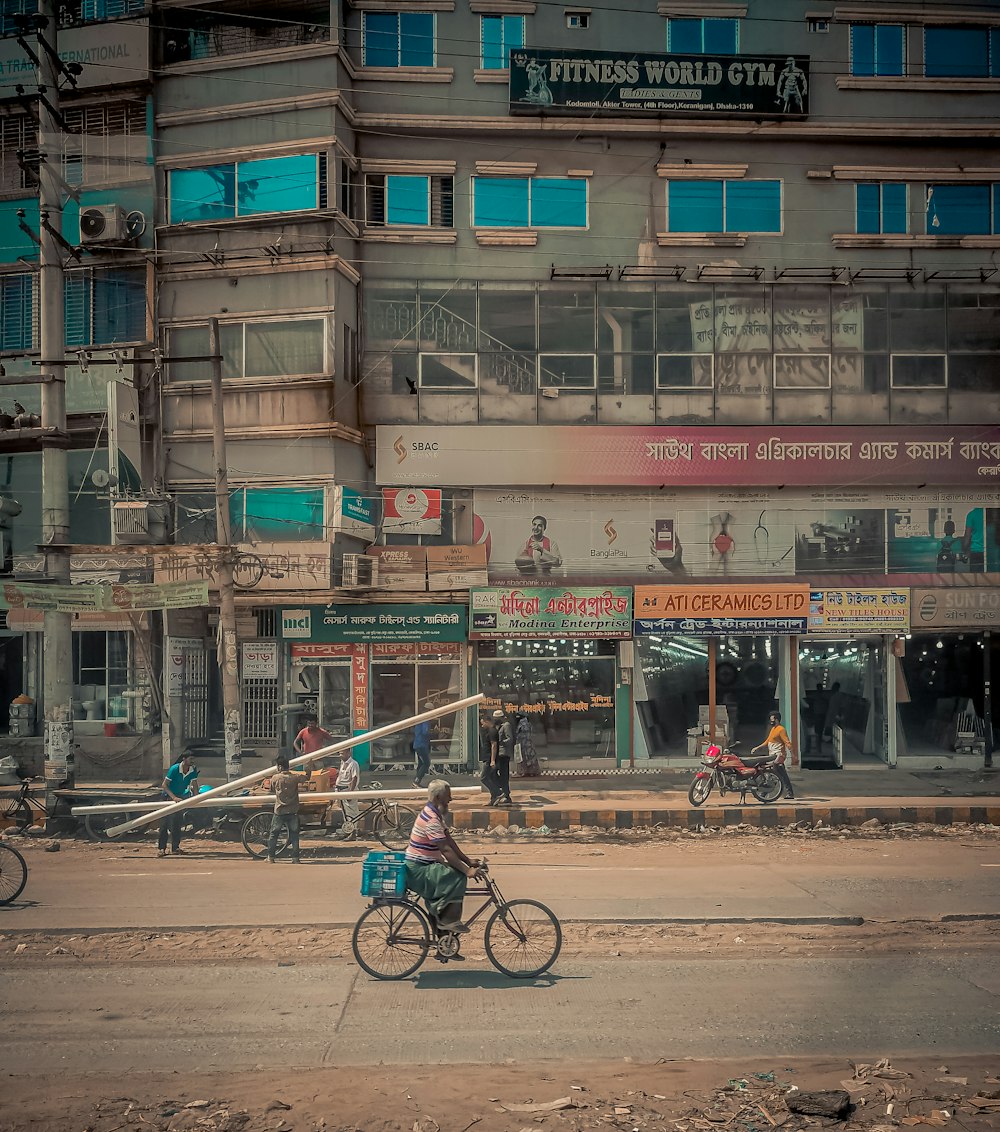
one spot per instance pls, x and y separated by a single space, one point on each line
13 874
394 935
17 807
391 823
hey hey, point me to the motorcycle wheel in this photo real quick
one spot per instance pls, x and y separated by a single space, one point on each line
699 790
767 787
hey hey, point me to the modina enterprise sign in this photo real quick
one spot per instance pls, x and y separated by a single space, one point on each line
773 86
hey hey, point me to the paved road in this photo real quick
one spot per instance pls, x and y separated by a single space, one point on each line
237 1016
91 887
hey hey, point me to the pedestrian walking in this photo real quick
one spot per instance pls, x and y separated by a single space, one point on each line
422 748
285 786
176 786
778 747
525 756
505 752
488 757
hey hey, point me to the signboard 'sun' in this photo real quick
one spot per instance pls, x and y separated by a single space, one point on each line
589 82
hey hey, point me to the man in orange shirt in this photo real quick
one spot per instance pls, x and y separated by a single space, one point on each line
311 738
778 747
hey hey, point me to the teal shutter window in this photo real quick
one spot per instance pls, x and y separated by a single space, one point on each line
202 194
558 202
16 312
753 206
277 184
694 206
500 202
500 35
78 308
407 200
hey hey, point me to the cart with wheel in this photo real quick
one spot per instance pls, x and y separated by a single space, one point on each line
395 933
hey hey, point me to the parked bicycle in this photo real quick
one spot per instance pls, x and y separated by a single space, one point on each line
390 821
395 934
13 874
17 808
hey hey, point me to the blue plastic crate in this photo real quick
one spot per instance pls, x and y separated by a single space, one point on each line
383 874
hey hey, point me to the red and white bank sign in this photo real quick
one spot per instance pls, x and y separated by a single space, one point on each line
411 510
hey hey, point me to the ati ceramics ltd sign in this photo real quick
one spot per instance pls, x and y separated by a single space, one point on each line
773 86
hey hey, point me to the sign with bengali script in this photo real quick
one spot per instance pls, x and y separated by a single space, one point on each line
956 607
717 455
577 611
259 660
125 597
366 624
708 611
595 82
859 611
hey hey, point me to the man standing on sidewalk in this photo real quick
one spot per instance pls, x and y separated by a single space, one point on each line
488 757
505 752
286 809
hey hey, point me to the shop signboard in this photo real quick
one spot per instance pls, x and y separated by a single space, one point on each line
367 624
574 611
956 607
401 567
713 455
714 611
456 567
111 52
411 510
595 82
259 659
261 566
858 611
352 513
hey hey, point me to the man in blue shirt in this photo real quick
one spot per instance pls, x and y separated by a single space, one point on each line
422 748
176 785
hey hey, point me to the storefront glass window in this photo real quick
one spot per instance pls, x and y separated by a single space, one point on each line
100 675
842 702
673 684
939 694
404 680
566 688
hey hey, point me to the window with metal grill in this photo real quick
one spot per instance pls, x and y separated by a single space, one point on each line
18 136
196 34
106 143
422 201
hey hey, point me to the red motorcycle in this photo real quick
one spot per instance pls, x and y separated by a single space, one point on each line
724 769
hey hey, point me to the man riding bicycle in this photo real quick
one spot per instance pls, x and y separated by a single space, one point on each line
436 868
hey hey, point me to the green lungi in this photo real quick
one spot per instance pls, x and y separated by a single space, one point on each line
439 884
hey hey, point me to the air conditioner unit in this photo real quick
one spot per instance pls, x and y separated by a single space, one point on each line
360 572
136 522
104 224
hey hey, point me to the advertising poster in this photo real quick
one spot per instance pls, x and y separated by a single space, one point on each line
411 510
840 541
400 567
937 540
993 539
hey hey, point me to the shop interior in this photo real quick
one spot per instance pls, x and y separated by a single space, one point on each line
842 686
566 689
405 684
939 694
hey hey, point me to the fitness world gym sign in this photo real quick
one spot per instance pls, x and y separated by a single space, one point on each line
773 86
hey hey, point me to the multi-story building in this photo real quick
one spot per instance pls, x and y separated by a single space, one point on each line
683 316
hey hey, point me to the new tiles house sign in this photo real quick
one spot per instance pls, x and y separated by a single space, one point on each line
771 86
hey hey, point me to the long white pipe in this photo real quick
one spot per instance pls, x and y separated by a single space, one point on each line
249 779
253 801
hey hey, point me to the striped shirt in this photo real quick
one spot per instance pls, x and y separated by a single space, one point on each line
427 837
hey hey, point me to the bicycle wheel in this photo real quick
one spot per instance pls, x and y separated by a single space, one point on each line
13 874
523 939
256 832
391 939
16 810
394 825
97 826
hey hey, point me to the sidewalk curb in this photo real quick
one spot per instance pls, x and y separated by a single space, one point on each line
764 817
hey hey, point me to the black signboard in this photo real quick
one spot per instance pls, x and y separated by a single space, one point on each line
596 82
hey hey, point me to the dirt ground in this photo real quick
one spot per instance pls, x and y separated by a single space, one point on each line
681 1096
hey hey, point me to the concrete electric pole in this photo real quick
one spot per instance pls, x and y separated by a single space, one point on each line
57 665
228 650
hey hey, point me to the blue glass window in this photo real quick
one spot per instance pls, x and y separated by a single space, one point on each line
962 52
535 202
500 202
16 311
881 209
878 49
248 188
407 200
724 206
398 39
963 210
105 307
500 35
686 36
277 514
558 202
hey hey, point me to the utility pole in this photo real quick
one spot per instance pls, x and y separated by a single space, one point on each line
57 665
228 651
